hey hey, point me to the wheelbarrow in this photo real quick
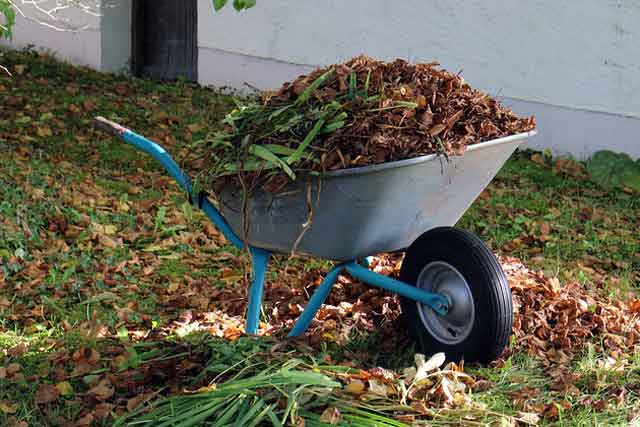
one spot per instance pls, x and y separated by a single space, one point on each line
453 292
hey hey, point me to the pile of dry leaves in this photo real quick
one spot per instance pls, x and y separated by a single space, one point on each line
555 322
419 109
359 113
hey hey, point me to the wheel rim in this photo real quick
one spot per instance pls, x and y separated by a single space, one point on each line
443 278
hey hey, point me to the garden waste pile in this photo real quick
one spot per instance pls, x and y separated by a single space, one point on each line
359 113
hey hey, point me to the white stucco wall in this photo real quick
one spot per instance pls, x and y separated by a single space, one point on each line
75 38
115 41
579 57
100 40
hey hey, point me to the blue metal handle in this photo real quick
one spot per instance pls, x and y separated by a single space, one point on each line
438 302
167 162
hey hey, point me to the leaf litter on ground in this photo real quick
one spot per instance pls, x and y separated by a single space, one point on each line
112 327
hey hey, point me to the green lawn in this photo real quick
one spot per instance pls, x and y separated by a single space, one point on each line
114 291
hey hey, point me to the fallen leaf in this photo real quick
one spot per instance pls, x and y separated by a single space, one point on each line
65 388
85 421
107 241
528 418
378 388
437 129
538 158
46 393
331 416
355 386
434 362
133 403
13 368
44 132
103 410
108 229
8 407
103 390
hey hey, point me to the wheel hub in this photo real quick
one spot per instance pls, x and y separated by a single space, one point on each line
442 278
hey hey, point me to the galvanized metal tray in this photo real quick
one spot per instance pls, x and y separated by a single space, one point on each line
354 213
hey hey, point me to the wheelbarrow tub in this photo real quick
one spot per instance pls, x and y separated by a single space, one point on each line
354 213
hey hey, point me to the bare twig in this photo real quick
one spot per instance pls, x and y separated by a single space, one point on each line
6 70
52 19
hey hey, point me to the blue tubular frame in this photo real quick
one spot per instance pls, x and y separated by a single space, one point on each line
260 257
260 260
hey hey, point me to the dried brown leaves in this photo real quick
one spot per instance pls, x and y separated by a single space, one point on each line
420 110
555 321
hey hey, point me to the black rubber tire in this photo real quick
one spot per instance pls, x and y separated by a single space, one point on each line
488 285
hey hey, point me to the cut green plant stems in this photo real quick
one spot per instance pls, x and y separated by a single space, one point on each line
293 119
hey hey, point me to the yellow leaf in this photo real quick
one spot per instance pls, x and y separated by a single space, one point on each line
8 407
38 193
65 388
355 387
108 229
44 132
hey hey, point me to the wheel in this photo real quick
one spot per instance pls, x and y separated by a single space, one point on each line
459 265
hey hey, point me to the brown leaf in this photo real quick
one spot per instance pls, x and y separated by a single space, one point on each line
89 105
103 410
46 393
437 129
85 421
426 118
81 368
13 368
103 390
133 403
538 158
545 228
482 385
107 241
451 121
13 422
93 357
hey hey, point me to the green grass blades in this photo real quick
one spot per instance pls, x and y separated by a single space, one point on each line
306 94
272 160
243 400
295 157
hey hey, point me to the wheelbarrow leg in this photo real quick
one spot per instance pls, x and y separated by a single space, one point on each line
260 259
316 301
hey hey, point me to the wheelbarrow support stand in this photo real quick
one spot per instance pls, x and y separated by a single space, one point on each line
260 257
